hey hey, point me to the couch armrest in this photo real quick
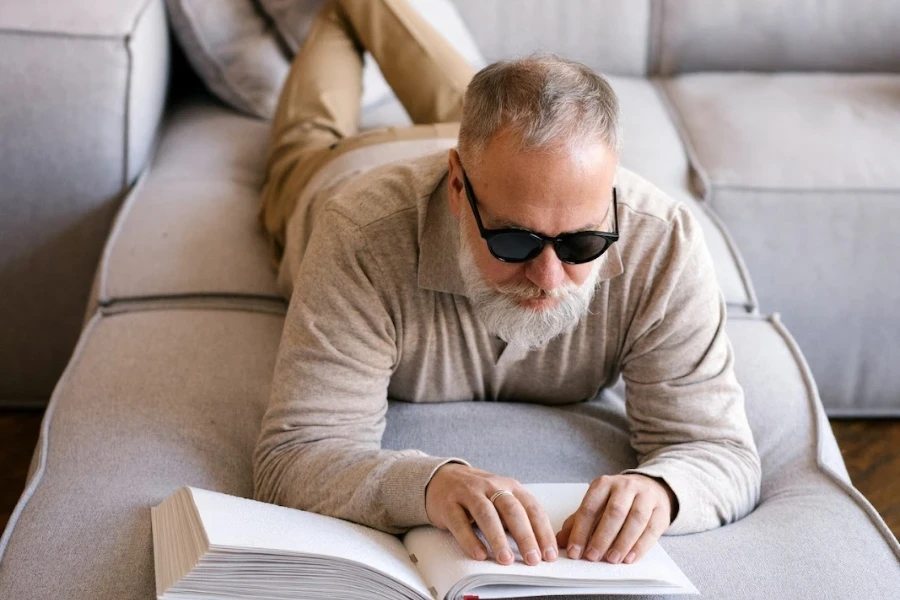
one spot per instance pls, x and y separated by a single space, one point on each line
83 85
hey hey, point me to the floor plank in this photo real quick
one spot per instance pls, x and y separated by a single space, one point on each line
871 450
19 431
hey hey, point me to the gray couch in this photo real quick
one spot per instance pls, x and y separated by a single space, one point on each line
170 376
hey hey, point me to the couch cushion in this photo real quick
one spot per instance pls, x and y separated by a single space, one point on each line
802 169
189 228
610 36
195 209
778 35
158 399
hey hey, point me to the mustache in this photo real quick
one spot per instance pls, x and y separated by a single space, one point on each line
529 291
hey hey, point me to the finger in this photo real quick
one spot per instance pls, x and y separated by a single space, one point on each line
658 524
614 514
634 526
513 514
586 518
562 537
460 526
540 525
488 520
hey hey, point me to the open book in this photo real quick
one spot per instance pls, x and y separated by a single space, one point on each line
212 545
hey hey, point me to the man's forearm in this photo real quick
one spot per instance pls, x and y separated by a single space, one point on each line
378 488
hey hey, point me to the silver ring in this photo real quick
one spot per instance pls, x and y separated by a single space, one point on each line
500 493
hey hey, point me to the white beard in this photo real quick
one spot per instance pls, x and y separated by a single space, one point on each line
496 306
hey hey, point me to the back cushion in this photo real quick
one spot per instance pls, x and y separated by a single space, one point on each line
777 35
609 36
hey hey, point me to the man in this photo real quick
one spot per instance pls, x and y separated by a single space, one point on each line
524 265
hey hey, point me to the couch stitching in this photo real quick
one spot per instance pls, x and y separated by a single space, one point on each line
44 438
121 217
752 304
815 403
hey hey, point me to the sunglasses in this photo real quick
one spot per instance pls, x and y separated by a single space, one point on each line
514 245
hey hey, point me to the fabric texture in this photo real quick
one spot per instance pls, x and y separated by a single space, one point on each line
234 50
82 91
612 36
408 332
163 398
806 173
777 35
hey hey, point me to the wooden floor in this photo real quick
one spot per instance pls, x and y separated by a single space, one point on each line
871 450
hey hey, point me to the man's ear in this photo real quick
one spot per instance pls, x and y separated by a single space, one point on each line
455 187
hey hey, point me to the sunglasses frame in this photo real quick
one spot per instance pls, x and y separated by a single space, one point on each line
488 234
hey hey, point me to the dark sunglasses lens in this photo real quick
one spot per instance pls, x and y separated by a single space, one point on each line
580 248
515 246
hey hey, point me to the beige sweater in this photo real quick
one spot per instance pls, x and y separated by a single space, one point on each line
378 311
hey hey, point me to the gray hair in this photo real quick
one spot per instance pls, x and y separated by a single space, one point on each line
550 102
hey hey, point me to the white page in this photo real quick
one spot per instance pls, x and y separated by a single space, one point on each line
443 563
235 522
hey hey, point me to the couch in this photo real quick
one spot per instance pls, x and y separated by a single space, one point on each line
143 207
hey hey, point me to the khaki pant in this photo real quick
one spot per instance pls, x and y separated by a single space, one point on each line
319 107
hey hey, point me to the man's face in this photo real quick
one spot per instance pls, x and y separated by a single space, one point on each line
551 193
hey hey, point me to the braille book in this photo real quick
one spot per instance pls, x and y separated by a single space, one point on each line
212 545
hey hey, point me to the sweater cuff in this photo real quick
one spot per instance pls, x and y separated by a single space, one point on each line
404 486
687 519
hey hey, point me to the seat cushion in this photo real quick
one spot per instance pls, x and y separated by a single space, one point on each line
188 231
802 169
154 400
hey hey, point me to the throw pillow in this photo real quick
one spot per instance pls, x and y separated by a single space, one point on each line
234 49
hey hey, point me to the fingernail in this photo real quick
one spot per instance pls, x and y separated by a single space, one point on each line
630 558
613 556
505 556
533 557
574 551
593 554
550 554
480 554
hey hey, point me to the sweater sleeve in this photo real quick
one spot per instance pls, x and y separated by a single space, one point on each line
685 407
319 448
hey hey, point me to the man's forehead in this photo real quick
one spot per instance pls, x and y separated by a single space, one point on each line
542 215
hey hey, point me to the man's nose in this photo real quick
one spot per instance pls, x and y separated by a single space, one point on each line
546 270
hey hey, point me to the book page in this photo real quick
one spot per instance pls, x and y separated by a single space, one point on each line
443 564
266 529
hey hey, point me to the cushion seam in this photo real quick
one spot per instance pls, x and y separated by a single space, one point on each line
44 439
62 34
114 235
752 304
660 84
815 404
802 190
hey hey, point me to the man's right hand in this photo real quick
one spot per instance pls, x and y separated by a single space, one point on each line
458 494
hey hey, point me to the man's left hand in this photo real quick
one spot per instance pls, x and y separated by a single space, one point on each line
620 518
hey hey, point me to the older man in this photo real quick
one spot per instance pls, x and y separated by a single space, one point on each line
524 265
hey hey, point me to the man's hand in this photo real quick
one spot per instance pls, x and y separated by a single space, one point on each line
458 494
621 517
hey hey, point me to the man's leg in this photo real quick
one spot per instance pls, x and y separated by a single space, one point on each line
318 110
428 75
318 106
